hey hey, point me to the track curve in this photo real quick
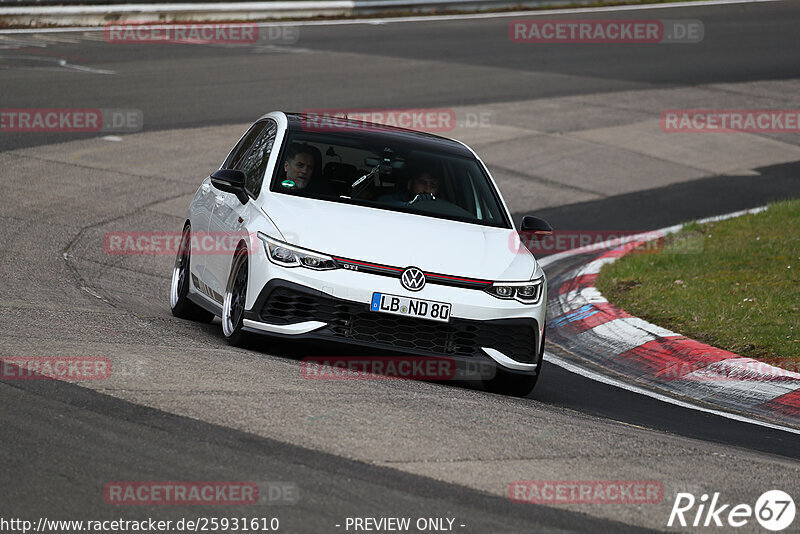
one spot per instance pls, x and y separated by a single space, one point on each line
183 405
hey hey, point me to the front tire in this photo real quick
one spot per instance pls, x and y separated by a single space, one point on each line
515 385
179 301
235 297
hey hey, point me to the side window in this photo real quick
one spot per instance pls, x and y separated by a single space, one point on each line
255 162
236 156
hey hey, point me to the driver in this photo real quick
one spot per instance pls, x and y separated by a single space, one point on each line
299 165
424 184
300 170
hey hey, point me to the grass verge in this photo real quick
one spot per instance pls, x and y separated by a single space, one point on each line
733 284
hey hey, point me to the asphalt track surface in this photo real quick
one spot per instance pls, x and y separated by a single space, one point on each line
60 442
420 64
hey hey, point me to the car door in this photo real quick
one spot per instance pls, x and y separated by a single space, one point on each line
230 218
200 217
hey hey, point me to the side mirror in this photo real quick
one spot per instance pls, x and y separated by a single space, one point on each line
539 227
230 181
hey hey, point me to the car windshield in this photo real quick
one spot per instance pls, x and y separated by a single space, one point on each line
399 177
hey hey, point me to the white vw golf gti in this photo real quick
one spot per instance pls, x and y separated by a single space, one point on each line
345 231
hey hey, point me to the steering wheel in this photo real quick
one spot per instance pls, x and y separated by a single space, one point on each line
422 197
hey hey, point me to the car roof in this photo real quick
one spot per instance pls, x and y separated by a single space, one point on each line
374 132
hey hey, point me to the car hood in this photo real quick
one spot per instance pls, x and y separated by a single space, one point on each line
400 239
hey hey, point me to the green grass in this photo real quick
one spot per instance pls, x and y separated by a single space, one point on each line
734 284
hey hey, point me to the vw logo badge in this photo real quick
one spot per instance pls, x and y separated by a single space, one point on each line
413 279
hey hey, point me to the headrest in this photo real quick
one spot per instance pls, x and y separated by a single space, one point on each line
339 171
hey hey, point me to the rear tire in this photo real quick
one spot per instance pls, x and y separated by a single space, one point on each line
235 297
179 301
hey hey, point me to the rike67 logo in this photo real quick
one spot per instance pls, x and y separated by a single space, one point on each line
774 510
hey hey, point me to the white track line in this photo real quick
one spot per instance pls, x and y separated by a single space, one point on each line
635 389
432 18
572 368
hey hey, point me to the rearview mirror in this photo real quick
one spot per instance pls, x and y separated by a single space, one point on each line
387 164
230 181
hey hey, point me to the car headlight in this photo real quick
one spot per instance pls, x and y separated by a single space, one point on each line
286 255
525 292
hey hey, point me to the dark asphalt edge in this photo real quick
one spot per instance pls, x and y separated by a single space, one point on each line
647 411
202 432
629 373
680 421
665 206
682 202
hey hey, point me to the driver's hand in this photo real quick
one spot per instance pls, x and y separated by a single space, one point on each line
422 197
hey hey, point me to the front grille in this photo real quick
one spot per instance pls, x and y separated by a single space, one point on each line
352 321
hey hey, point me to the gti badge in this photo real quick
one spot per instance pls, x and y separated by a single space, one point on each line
413 279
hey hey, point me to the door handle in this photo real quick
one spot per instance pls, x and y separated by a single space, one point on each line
205 188
219 200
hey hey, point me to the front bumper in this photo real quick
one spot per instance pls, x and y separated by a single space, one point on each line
289 309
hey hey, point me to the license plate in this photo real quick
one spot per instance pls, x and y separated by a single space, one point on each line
410 307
